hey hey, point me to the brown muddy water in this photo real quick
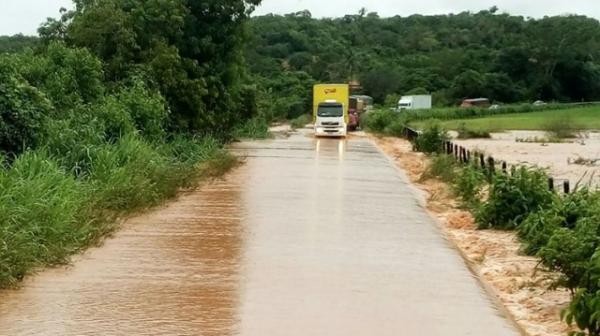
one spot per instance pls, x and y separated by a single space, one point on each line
309 237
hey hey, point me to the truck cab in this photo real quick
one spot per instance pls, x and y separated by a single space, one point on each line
330 109
330 119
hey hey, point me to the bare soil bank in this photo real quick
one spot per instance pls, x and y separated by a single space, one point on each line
494 255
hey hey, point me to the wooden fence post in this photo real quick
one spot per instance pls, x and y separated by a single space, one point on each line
492 165
567 187
504 167
482 161
551 184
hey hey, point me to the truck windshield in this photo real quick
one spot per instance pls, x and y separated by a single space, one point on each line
331 111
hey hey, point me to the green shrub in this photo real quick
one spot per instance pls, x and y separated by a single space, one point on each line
537 229
564 212
115 117
583 311
442 166
23 109
560 128
301 121
466 133
68 76
396 128
432 139
71 140
147 109
569 252
255 128
468 184
377 121
513 197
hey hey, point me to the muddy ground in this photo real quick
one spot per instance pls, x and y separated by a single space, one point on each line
493 255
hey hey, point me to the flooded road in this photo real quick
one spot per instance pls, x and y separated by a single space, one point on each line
309 237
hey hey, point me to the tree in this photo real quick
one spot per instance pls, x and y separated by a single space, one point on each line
190 50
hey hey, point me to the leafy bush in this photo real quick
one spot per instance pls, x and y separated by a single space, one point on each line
513 197
468 184
537 229
569 252
466 133
442 166
396 128
432 139
560 128
23 109
301 121
255 128
377 121
583 311
147 109
68 76
564 212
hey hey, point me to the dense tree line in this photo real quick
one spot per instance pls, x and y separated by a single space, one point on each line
17 43
503 57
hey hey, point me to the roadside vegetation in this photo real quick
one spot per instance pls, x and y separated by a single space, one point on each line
561 230
301 121
105 115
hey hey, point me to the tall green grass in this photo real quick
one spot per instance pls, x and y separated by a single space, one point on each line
48 213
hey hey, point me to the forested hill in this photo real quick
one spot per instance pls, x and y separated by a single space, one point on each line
503 57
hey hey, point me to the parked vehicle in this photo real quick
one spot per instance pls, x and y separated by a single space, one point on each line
476 102
539 103
330 109
416 102
358 106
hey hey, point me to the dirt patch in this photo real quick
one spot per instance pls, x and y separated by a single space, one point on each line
493 255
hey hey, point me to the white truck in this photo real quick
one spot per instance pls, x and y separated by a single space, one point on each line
417 102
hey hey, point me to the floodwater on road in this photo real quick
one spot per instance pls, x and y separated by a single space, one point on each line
309 237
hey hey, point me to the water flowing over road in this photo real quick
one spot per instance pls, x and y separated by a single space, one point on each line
308 237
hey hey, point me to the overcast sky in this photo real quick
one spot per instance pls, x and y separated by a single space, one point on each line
25 16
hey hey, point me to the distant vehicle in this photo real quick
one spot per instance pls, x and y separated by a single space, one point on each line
539 103
476 102
358 106
494 107
417 102
367 100
330 109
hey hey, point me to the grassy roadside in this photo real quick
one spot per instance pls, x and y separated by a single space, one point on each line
585 118
48 214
